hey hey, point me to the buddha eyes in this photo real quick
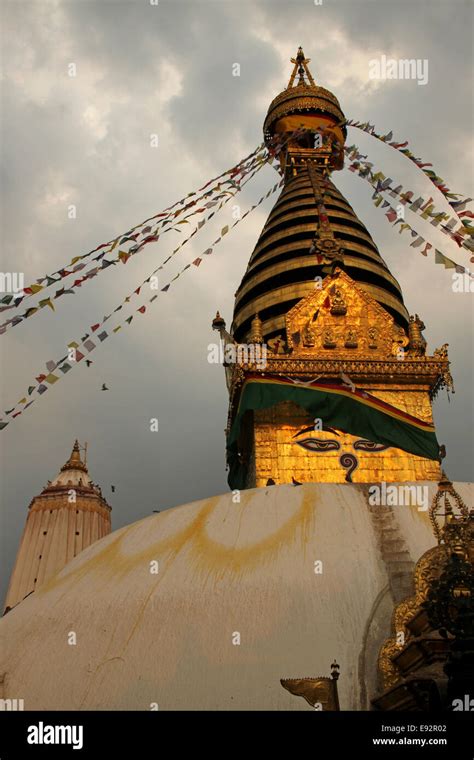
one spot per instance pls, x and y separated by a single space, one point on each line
363 445
316 444
313 444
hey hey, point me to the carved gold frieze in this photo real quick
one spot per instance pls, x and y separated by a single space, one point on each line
362 370
343 316
338 327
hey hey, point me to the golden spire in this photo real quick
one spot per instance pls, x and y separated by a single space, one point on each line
300 68
75 462
448 503
310 107
218 322
256 330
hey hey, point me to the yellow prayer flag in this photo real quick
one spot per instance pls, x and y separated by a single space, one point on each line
427 212
47 302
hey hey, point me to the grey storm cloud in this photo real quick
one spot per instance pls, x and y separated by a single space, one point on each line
166 69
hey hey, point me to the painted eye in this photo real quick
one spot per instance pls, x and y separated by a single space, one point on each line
363 445
314 444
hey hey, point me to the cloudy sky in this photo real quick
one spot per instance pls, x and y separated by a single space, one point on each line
167 69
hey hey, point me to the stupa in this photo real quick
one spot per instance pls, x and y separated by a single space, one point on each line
285 587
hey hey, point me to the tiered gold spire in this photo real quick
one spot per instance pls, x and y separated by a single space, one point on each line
291 253
256 330
328 308
312 227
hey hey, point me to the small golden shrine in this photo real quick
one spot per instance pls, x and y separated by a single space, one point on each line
433 630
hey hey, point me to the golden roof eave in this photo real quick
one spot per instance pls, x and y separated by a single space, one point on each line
427 371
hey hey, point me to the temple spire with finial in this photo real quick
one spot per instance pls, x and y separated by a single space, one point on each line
66 517
300 68
75 462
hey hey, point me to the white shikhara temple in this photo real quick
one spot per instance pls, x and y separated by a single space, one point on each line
67 516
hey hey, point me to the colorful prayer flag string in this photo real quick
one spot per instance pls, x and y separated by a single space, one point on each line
453 199
79 350
392 216
258 158
148 234
36 287
421 206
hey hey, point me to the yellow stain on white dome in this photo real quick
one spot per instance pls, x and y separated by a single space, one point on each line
224 567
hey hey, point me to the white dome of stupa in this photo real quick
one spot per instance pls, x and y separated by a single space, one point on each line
208 605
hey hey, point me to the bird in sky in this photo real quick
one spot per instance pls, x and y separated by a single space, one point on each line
113 489
295 482
104 387
270 482
88 362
